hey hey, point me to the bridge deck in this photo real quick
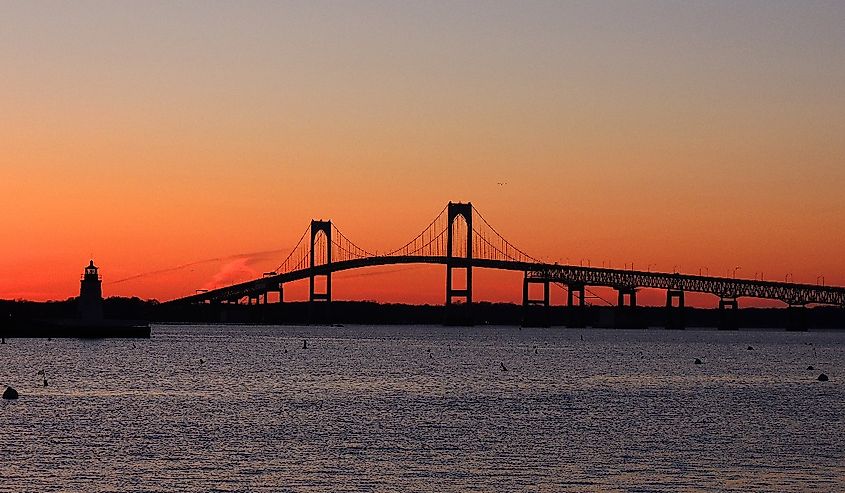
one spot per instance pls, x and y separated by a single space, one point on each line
790 293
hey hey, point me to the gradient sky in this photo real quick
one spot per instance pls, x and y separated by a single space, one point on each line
153 135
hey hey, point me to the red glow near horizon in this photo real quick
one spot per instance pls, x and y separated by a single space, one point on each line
401 283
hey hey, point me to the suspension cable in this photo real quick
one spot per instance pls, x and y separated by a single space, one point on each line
502 237
298 244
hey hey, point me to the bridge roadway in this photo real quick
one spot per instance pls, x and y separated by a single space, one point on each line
573 276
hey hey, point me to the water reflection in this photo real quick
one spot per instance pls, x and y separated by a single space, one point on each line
425 408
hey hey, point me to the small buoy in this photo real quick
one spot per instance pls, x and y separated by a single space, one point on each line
304 344
10 393
202 361
810 367
3 341
823 378
582 337
698 361
504 368
750 348
535 351
45 381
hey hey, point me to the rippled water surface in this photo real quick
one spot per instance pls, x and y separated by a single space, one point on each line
229 408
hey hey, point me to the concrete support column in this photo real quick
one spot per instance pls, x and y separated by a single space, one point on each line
535 312
728 306
675 318
575 295
631 294
796 317
626 315
575 305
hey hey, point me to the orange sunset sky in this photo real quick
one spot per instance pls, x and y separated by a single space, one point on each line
190 143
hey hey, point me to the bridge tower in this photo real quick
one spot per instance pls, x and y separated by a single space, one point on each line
455 210
318 227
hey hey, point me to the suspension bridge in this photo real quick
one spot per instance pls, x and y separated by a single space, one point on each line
462 239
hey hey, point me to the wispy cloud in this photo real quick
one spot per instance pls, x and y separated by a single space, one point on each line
247 257
232 272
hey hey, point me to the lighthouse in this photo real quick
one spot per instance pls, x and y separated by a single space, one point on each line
91 294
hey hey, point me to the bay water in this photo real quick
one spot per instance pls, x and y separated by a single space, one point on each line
425 408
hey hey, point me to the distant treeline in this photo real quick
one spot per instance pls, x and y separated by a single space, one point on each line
366 312
363 312
113 308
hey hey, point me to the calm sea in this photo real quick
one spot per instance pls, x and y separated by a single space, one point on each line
357 408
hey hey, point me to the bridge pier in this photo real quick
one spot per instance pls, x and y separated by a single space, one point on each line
261 314
631 293
675 316
796 315
728 306
576 305
535 312
627 315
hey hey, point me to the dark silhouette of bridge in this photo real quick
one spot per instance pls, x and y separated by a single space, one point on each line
461 239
